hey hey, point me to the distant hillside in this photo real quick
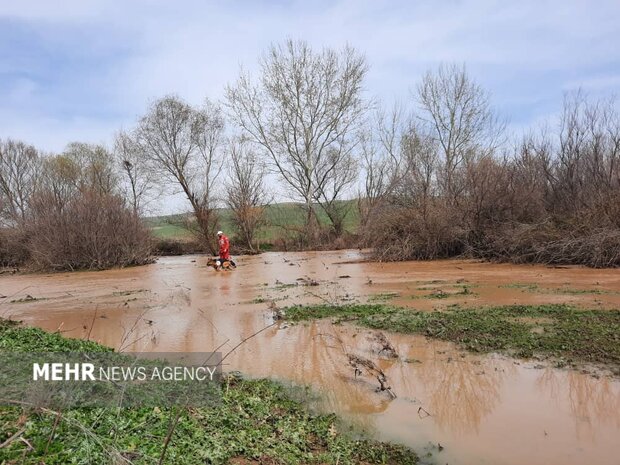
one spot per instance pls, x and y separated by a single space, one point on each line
282 219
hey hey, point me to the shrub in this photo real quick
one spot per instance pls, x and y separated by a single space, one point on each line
90 231
13 250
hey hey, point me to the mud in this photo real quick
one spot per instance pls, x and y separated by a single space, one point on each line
460 407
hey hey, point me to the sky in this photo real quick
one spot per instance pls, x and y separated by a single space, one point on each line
80 70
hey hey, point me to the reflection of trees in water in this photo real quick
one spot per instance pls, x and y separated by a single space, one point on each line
591 401
461 391
314 354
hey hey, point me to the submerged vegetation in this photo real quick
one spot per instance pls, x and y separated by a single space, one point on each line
258 421
560 331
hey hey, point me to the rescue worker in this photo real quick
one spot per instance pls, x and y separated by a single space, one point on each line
224 246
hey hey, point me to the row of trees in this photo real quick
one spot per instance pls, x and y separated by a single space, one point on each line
437 180
447 182
66 211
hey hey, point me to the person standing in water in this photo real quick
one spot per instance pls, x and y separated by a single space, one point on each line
224 246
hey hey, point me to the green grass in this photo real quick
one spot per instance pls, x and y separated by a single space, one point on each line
383 297
168 231
257 420
15 338
281 221
464 290
523 286
534 288
551 330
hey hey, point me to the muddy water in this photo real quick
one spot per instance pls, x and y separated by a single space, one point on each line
481 409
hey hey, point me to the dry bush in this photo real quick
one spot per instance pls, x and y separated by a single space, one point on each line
326 239
555 199
91 231
400 233
13 250
553 244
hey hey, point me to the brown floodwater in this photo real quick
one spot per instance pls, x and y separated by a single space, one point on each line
482 409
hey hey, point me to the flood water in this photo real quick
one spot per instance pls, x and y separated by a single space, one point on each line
482 409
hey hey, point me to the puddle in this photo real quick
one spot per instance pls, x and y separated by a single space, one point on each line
481 409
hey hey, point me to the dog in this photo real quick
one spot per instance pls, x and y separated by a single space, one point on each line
218 264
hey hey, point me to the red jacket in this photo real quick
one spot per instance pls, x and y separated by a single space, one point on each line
224 247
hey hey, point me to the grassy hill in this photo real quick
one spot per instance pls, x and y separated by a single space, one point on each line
281 218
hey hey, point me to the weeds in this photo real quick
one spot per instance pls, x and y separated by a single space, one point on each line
465 290
562 290
384 297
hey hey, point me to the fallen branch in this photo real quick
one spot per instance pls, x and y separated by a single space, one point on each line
12 438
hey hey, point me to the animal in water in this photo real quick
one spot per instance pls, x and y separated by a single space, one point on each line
218 264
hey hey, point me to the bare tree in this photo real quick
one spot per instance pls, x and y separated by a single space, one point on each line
59 180
304 112
19 171
183 144
416 184
381 159
94 167
140 185
80 169
246 193
334 178
588 153
457 112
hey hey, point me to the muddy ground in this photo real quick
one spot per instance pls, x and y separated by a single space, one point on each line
479 408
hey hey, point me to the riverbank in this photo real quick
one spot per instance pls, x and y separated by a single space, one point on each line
567 335
258 422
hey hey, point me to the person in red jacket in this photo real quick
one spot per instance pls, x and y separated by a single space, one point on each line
224 246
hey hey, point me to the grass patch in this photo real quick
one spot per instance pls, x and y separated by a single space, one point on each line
569 291
561 290
284 286
523 286
258 420
465 290
383 297
552 330
15 338
28 298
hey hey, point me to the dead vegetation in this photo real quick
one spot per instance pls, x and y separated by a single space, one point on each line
454 188
70 214
362 364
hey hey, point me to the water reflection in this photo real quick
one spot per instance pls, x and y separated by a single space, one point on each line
591 401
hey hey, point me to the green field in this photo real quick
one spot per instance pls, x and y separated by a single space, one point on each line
283 219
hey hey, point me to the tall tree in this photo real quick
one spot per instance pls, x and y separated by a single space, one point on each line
183 145
304 111
139 184
94 167
246 194
458 114
19 170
